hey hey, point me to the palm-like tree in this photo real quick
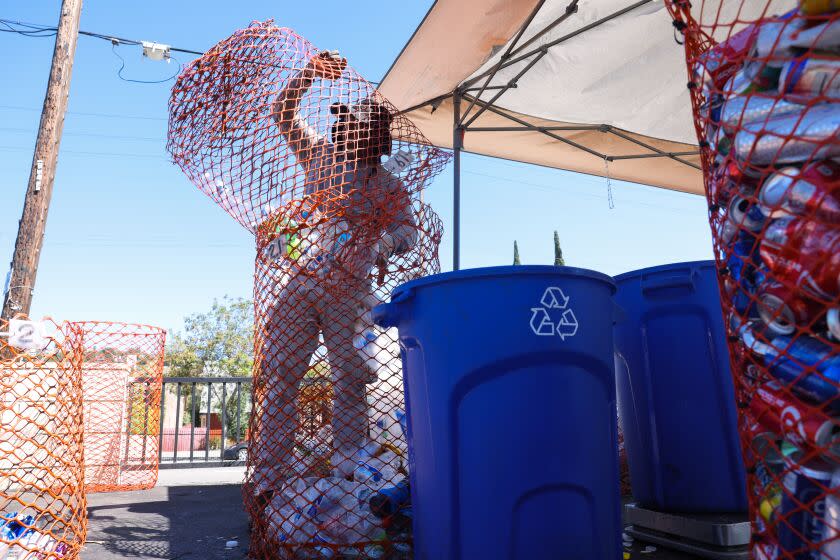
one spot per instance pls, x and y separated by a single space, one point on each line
558 252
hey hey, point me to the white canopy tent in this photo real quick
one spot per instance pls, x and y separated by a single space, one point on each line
592 86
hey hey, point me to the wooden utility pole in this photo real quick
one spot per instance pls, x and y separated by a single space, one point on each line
30 236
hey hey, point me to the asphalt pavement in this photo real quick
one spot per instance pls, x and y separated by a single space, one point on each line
192 514
197 514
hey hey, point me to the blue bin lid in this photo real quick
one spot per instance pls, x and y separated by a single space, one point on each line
633 274
506 271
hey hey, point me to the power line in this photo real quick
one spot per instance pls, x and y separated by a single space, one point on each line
35 30
31 28
90 134
87 114
32 33
85 153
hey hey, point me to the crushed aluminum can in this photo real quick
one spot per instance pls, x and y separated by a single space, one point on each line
782 413
831 546
793 138
812 77
772 457
739 110
784 310
713 67
812 191
807 366
832 318
803 508
803 254
773 42
741 83
710 110
720 142
824 37
744 214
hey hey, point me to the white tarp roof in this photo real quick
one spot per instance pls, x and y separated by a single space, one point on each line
627 72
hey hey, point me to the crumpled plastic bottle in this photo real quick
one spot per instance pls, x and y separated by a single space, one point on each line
296 530
333 511
378 472
344 461
26 542
389 429
34 545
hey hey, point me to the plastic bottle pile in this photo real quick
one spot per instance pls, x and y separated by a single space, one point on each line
371 508
21 538
764 85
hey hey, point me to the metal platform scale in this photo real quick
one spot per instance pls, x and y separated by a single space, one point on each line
718 536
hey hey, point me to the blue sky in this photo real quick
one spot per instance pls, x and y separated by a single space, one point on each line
129 239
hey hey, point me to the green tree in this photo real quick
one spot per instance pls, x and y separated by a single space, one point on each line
558 252
516 253
218 343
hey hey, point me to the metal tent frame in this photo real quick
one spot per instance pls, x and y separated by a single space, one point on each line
471 91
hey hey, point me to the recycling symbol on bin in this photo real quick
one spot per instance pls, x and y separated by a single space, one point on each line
554 316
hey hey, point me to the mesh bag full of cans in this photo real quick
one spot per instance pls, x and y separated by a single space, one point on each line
764 78
306 154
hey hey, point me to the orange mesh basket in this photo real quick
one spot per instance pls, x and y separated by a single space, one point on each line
42 502
122 371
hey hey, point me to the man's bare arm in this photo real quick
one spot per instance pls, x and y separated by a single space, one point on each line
285 109
284 112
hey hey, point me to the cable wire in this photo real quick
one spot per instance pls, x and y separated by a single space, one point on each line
87 114
38 28
23 130
32 33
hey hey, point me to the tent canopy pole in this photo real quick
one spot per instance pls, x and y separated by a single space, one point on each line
457 139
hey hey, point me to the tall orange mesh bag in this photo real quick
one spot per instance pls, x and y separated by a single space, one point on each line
122 375
43 511
764 86
305 153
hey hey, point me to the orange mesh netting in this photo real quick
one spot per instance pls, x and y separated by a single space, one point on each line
122 370
305 153
43 511
764 86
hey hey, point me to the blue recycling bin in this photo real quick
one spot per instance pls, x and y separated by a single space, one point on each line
675 391
510 401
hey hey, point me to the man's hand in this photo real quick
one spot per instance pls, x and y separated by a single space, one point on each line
327 65
384 251
387 245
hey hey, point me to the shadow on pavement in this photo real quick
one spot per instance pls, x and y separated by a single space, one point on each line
189 522
195 522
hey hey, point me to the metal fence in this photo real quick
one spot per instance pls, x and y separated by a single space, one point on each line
211 415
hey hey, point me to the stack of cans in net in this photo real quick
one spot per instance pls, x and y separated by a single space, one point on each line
765 95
